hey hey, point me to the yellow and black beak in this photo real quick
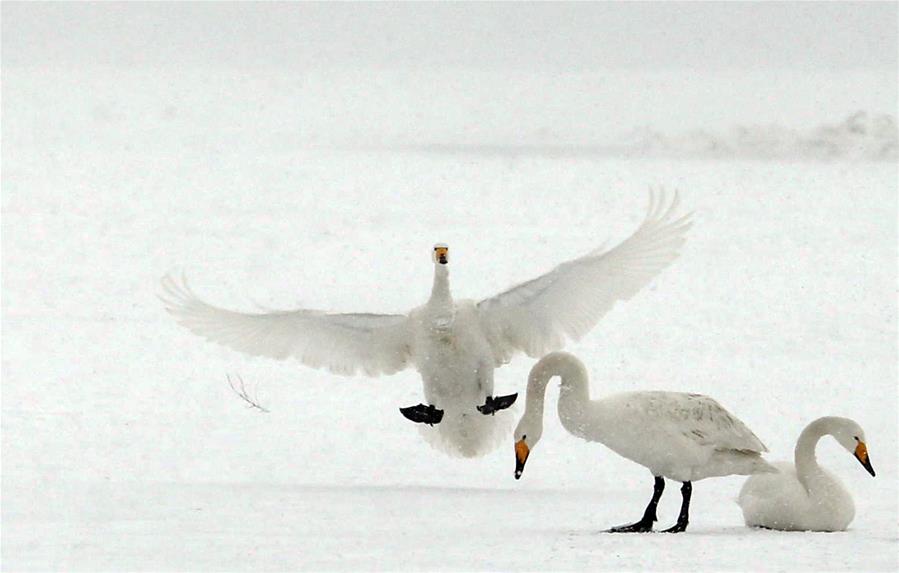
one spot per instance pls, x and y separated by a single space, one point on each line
861 454
441 254
521 456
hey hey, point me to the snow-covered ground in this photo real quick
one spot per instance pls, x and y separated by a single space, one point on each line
124 448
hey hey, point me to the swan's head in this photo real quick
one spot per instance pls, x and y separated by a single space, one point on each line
527 434
441 254
851 436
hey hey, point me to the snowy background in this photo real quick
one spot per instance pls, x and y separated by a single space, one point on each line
310 155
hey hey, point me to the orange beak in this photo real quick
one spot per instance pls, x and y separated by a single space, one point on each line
440 254
861 454
521 456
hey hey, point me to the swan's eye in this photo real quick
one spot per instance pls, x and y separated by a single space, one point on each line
856 438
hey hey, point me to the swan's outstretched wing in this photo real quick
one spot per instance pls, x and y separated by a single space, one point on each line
343 343
537 316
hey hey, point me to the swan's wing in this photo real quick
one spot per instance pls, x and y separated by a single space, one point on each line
343 343
537 316
700 419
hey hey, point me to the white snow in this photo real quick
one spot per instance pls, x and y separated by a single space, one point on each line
124 448
860 136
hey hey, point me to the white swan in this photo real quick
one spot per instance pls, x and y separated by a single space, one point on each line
805 496
455 345
684 437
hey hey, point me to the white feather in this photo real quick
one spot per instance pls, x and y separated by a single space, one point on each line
536 316
343 343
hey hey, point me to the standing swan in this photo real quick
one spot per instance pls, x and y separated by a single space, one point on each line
805 496
684 437
455 345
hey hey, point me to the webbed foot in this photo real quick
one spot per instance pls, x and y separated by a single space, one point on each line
678 527
642 526
494 405
422 414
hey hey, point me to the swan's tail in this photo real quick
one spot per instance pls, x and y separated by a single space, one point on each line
739 462
468 434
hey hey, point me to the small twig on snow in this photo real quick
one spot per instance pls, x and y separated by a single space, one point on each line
241 391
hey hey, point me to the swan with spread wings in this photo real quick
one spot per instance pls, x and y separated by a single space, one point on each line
454 344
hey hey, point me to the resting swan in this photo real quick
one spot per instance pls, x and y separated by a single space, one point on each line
683 437
805 496
455 345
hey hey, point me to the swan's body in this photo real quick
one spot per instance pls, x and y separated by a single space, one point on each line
684 437
455 361
455 345
804 496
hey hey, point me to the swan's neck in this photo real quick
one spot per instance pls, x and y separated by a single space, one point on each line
574 400
536 396
440 291
574 397
806 462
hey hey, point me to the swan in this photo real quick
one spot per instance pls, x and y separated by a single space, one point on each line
683 437
454 344
805 496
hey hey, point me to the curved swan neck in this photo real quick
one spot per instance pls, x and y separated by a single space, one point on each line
536 394
573 393
574 396
440 291
806 462
574 382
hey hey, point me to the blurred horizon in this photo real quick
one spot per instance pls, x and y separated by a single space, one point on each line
448 74
569 37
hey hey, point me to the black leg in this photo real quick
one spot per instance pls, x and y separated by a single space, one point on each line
649 516
683 518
